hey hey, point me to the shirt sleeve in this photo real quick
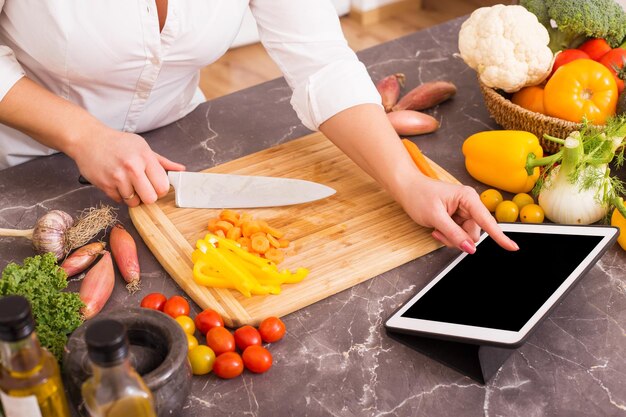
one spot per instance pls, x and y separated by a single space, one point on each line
10 70
305 40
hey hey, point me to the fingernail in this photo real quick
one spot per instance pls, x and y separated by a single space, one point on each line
515 245
468 246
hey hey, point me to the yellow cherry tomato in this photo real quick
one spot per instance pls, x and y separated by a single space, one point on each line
619 221
491 198
192 342
201 358
186 323
522 199
507 211
531 213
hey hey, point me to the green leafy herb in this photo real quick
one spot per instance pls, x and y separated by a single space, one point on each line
56 312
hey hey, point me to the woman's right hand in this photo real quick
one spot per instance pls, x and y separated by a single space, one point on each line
123 166
120 164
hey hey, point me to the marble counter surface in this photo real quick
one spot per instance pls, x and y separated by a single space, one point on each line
336 359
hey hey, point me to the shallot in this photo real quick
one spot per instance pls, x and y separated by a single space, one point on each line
426 95
389 89
97 286
124 252
82 258
411 122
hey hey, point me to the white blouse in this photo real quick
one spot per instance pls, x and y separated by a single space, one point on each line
109 57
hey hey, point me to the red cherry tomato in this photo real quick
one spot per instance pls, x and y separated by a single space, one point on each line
615 60
257 359
595 48
208 319
247 336
228 365
220 340
155 301
176 306
565 56
272 329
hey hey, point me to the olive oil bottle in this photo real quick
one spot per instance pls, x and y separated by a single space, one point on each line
115 389
30 379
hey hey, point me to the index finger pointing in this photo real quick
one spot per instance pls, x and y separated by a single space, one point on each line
485 220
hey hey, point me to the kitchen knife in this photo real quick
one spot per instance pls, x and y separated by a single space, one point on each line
210 190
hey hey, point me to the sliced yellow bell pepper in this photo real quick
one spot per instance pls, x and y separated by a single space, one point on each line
229 266
204 276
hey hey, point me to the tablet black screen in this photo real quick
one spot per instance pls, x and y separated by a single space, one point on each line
498 289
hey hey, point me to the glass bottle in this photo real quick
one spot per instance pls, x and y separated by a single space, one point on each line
30 379
115 389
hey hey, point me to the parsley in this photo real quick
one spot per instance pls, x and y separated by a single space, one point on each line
41 281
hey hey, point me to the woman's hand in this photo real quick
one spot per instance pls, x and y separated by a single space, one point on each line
455 212
123 166
120 164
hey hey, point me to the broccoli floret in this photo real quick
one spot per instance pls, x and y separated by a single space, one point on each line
577 20
539 8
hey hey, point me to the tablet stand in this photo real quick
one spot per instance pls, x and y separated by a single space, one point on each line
479 362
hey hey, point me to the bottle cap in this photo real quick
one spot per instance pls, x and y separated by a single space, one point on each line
107 342
16 318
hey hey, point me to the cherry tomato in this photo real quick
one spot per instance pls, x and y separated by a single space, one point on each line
202 359
615 60
595 48
192 342
176 306
247 336
567 55
581 89
257 359
530 98
208 319
523 199
186 323
220 340
491 198
507 211
272 329
228 365
155 301
531 213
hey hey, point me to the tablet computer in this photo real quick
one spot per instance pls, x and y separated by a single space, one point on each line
496 297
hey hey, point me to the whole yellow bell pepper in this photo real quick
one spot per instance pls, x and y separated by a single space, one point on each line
505 159
618 220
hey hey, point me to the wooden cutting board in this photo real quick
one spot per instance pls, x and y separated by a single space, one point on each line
350 237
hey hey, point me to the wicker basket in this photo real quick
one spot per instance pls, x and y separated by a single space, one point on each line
513 117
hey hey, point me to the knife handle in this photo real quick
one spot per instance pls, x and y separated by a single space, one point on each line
83 180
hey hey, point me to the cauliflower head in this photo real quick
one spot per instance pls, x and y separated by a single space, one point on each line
507 46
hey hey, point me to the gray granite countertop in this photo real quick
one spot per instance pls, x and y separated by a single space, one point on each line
336 359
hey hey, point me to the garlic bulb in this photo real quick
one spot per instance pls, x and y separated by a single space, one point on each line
56 231
49 234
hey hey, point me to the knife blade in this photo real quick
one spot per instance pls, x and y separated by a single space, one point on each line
211 190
